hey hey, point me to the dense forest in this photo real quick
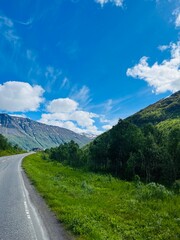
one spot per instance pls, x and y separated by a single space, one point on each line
146 145
7 148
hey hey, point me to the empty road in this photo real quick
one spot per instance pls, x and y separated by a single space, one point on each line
19 218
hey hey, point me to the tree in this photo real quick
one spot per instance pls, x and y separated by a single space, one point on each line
4 143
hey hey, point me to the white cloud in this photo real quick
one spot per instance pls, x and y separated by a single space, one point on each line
20 96
162 77
65 82
118 3
81 95
7 30
18 115
176 13
78 121
107 127
52 74
109 105
50 119
64 112
6 21
163 47
109 122
83 118
62 105
26 23
67 124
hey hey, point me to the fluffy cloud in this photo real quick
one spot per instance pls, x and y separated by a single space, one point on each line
64 112
118 3
162 77
62 105
64 124
20 96
84 119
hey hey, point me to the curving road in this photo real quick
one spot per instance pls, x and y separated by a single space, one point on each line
19 218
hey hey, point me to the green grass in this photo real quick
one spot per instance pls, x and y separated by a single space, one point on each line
9 152
96 207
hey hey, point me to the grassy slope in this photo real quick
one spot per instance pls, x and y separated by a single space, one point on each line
98 207
168 108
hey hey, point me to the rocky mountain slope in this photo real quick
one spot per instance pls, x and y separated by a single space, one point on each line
29 134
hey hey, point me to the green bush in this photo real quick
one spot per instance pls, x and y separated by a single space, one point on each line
154 191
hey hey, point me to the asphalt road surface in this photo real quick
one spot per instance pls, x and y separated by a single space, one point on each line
20 218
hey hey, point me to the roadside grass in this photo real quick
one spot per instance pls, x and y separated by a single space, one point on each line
10 152
95 207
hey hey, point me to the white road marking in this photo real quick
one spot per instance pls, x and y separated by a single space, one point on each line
27 210
27 204
25 196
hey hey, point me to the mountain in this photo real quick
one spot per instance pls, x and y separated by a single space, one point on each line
29 134
146 144
167 109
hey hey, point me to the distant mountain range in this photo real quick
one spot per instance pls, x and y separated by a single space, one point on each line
29 134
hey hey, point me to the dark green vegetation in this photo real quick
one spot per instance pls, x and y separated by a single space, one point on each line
29 134
95 206
151 152
146 144
128 150
7 148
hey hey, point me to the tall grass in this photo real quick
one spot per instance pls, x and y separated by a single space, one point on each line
96 207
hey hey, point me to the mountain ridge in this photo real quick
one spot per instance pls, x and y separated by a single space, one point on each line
164 109
30 134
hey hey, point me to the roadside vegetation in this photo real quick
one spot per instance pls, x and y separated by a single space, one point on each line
7 148
125 184
95 206
126 151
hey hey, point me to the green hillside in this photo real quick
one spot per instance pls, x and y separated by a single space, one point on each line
165 109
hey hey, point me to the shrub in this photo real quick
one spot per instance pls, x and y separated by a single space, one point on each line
153 191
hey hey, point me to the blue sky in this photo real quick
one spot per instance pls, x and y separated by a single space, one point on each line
83 64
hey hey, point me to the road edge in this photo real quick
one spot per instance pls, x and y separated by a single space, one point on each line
55 229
